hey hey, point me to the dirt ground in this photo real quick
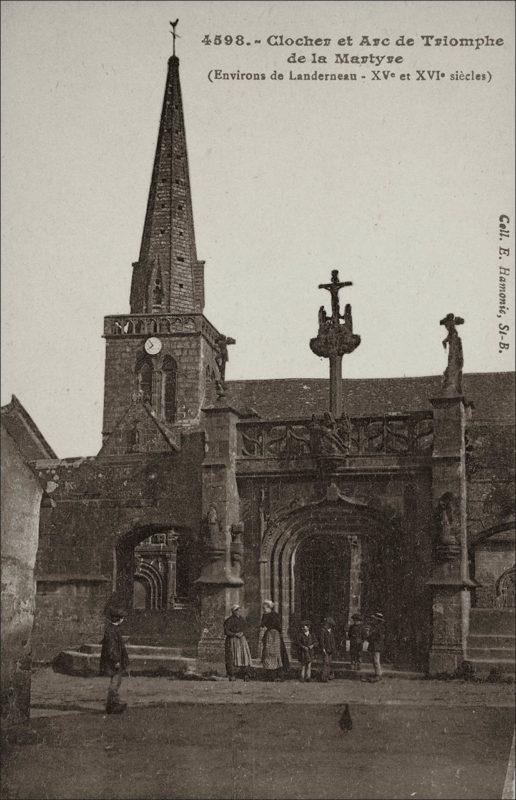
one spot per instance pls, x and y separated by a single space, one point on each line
178 739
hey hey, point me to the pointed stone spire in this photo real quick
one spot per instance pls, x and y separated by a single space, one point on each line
168 278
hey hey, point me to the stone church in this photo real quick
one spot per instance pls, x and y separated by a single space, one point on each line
339 496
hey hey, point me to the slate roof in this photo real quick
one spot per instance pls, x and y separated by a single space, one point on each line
492 394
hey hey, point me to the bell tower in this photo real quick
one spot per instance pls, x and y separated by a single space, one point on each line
164 353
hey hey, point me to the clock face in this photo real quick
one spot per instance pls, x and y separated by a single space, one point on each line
153 345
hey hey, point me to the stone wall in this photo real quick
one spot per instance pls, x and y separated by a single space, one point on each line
490 465
493 558
21 500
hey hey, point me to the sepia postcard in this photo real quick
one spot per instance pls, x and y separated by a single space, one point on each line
258 532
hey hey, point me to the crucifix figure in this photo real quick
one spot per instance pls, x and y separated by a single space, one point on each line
174 36
335 339
334 287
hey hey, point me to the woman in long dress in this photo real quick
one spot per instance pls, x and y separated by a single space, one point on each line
274 653
238 655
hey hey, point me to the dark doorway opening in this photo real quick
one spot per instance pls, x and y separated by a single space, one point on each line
322 579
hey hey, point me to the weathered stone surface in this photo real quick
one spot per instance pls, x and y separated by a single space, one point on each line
21 500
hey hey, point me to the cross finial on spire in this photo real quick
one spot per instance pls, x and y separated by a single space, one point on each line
174 36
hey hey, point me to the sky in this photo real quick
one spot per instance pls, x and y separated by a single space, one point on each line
398 183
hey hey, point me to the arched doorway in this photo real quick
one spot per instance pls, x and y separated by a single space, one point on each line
337 555
154 583
153 568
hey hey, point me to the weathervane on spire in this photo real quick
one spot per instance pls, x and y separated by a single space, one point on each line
174 35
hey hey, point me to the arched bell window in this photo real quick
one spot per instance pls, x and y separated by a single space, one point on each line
144 378
168 389
157 294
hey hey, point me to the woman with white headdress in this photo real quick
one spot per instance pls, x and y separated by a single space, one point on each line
274 652
238 655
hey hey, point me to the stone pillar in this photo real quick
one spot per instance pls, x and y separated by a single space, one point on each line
450 580
220 582
336 385
171 559
355 565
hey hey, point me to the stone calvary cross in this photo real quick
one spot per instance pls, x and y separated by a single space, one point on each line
335 339
334 287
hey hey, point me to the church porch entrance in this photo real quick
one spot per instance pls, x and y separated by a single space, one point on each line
341 558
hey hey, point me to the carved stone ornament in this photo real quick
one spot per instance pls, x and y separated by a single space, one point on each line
325 439
335 334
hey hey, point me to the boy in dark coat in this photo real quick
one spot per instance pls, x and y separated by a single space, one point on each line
114 660
306 644
327 642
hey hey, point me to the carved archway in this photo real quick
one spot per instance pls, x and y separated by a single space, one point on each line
505 588
354 524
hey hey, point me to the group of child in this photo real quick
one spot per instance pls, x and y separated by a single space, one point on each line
357 633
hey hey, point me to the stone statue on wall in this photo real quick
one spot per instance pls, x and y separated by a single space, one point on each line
222 355
447 545
213 526
452 380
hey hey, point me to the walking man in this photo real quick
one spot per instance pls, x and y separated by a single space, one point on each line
114 660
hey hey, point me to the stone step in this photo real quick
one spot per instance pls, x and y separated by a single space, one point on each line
187 647
499 621
491 640
505 653
75 662
138 650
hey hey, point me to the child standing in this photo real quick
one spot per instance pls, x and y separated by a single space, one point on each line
114 660
327 641
306 644
356 636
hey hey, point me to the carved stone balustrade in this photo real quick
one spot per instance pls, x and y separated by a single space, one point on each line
323 437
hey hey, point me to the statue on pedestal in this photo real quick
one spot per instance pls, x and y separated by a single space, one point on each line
452 380
222 355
